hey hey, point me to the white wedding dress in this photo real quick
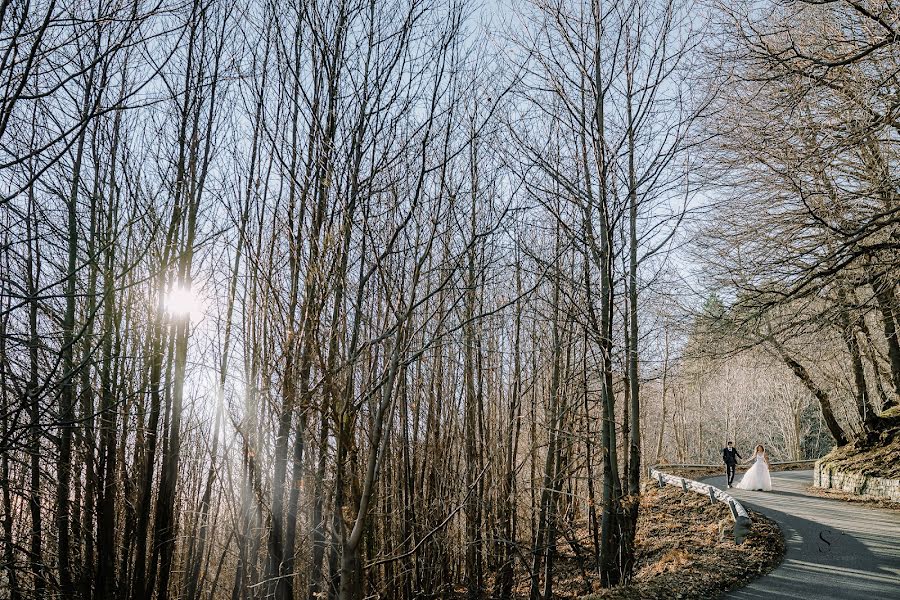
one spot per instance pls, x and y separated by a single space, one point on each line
757 476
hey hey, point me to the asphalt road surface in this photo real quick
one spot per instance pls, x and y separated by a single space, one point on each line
835 550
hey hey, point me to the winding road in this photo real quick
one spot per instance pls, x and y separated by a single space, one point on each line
835 550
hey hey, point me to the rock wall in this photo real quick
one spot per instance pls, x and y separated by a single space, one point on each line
829 477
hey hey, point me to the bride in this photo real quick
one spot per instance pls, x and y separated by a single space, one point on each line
757 476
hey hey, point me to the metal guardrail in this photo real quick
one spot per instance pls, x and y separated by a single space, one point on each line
742 521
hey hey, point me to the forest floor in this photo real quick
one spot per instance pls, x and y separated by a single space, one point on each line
685 550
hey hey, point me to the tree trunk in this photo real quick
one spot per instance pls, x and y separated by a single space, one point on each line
67 387
884 295
474 577
504 580
662 396
34 403
5 482
864 408
820 394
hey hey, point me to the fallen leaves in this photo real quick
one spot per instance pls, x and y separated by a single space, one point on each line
686 550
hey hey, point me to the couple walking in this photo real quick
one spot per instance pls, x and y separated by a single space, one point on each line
756 477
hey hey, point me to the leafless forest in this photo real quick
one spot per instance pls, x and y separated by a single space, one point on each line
394 299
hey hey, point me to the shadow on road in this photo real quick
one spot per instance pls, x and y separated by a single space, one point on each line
835 551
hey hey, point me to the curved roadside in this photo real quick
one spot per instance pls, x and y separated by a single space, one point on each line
835 550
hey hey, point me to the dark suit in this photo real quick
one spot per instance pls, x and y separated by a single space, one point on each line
730 457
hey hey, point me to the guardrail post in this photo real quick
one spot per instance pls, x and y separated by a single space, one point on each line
741 529
684 484
659 478
712 495
734 513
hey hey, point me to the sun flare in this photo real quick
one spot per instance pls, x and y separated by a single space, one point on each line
183 301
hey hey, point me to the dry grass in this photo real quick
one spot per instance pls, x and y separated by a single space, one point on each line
686 550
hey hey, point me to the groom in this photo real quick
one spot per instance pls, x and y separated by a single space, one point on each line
730 456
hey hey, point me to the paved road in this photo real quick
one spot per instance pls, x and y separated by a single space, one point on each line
835 550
